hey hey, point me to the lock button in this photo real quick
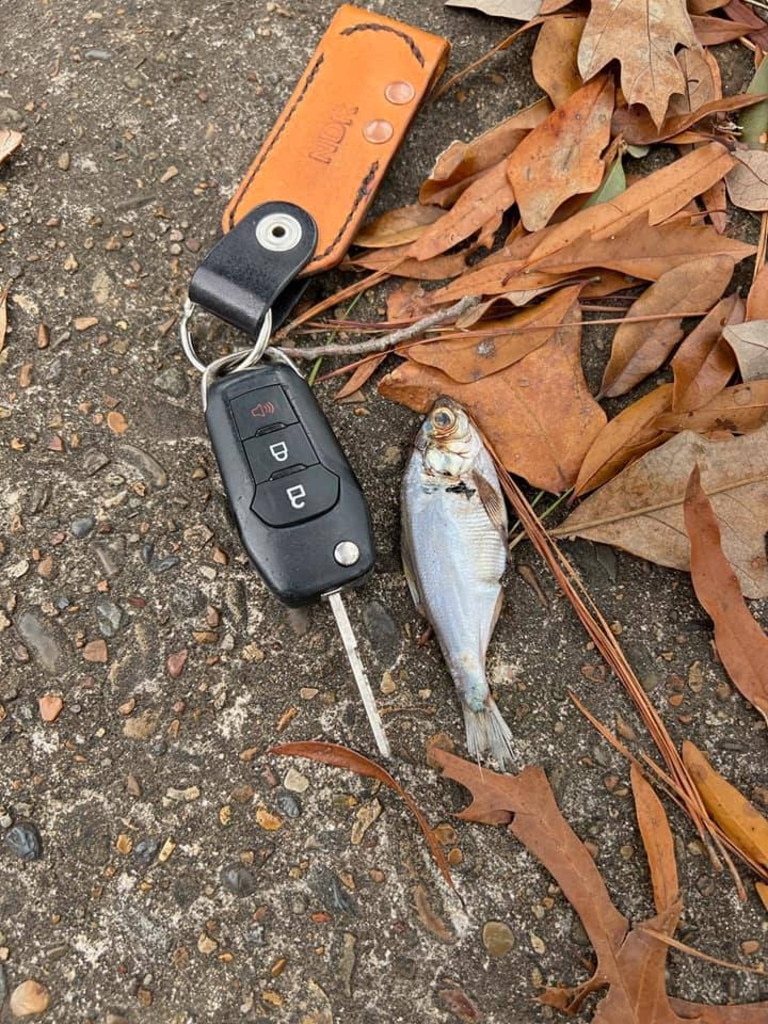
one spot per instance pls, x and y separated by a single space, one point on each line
278 450
297 497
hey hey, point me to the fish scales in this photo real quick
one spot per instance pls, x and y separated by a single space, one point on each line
454 551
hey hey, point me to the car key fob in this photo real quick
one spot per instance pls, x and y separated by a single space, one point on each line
299 508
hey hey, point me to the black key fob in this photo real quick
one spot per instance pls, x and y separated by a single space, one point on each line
300 511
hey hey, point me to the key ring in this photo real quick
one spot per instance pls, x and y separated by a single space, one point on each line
212 370
251 356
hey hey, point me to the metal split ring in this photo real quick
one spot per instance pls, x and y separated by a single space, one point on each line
249 356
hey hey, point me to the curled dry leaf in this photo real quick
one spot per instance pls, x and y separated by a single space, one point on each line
562 157
623 439
342 757
641 510
639 348
749 343
657 840
396 260
555 57
462 162
538 413
494 345
643 37
360 376
704 363
748 181
737 410
757 299
713 31
737 817
638 128
520 10
397 227
740 642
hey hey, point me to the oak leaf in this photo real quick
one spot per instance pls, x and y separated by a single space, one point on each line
623 439
562 157
749 343
748 181
712 31
639 348
397 227
641 510
554 61
741 644
538 413
643 37
704 363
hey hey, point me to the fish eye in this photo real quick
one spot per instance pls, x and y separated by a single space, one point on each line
443 419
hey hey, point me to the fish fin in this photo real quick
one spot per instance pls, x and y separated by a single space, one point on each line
488 735
492 502
410 578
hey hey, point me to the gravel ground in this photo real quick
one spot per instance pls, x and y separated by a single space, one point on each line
185 875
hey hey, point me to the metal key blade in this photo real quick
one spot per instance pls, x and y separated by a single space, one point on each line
350 646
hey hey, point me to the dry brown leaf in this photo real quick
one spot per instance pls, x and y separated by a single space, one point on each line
520 10
623 439
757 299
638 349
701 1013
554 61
537 413
397 227
494 345
703 81
715 203
738 410
737 10
713 31
657 840
342 757
641 510
644 250
643 37
749 343
9 141
360 376
562 157
740 642
480 207
704 363
737 817
409 301
4 315
397 261
638 128
748 181
462 162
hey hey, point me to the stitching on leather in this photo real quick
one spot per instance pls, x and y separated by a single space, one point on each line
260 163
372 27
362 195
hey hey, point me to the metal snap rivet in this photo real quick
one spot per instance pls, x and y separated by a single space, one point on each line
346 552
399 92
378 131
278 232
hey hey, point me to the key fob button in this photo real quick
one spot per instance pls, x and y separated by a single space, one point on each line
264 407
297 497
279 449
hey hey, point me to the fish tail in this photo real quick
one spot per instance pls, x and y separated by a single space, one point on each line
488 735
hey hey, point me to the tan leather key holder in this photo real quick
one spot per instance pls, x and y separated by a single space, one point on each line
302 199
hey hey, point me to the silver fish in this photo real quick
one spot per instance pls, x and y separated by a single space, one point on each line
454 549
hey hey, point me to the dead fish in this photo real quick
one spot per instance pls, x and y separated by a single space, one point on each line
454 549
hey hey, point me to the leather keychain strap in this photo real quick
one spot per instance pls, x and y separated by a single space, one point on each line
332 144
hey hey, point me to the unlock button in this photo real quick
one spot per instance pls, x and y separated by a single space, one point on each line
280 449
296 497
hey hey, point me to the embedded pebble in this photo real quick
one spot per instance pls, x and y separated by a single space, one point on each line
24 840
146 464
173 382
238 880
94 461
108 616
295 781
383 633
29 998
110 557
164 564
289 805
146 850
41 638
498 938
82 527
50 706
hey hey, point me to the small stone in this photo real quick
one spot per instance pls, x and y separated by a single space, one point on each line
169 173
207 945
146 464
63 161
238 880
109 617
42 639
364 818
252 652
295 782
498 938
168 847
29 998
84 323
50 706
142 726
173 382
268 821
288 804
123 844
132 785
388 685
383 633
537 944
146 850
96 651
116 422
750 946
176 662
24 840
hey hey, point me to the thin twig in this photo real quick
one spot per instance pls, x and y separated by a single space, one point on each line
387 341
507 41
683 947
